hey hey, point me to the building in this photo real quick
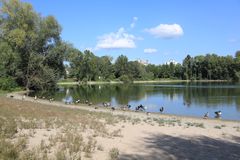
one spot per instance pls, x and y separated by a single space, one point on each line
144 62
172 61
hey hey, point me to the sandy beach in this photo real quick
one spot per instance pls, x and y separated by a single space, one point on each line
117 134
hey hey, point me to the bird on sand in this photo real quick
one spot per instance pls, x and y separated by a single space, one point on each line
161 109
218 114
206 115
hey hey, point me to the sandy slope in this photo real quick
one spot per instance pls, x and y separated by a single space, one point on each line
177 138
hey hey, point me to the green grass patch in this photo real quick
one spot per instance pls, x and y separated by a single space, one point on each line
218 127
113 154
190 124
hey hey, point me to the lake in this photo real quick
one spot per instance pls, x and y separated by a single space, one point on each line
191 99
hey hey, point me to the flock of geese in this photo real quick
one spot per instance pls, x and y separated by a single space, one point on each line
218 114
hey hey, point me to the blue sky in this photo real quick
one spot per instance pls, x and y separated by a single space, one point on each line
151 30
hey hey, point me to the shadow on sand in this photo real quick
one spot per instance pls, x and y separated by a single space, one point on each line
164 147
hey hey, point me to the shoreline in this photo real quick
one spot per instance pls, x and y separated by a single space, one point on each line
136 82
133 135
81 106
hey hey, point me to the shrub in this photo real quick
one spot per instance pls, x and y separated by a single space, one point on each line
7 83
125 79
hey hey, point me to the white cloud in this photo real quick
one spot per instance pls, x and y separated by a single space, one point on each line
150 50
133 24
118 40
166 31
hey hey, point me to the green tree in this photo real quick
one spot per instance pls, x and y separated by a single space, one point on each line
121 66
187 67
105 68
35 42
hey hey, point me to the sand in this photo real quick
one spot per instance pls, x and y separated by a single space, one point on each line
178 137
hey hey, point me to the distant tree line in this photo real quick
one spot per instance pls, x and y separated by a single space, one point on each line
88 67
32 55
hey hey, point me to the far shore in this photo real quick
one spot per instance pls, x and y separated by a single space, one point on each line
137 82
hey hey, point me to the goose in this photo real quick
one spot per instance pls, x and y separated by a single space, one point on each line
77 101
108 104
140 108
129 106
104 104
35 98
51 99
206 115
218 114
161 109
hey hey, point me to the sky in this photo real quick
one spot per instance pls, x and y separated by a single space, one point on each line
153 30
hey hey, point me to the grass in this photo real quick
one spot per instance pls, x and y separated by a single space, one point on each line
190 124
3 93
113 154
100 148
218 127
66 133
20 121
163 122
237 128
116 133
136 121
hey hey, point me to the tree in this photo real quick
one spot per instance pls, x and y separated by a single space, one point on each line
35 44
121 66
237 54
153 69
89 66
8 60
75 58
105 68
187 67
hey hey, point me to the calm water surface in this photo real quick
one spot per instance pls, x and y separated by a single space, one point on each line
192 99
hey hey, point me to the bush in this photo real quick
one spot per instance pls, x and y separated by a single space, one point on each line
236 77
84 80
7 83
126 79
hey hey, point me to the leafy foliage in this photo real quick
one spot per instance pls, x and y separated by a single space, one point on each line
7 83
89 67
31 48
32 52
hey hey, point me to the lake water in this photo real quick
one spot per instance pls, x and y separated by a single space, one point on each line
192 99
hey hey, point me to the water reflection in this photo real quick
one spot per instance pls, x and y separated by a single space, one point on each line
179 98
68 99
